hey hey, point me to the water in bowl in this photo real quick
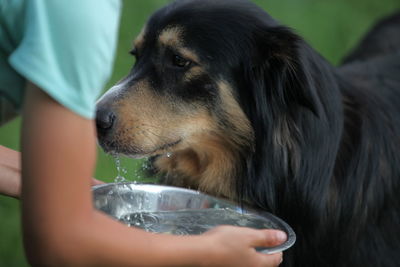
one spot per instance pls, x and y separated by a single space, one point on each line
190 222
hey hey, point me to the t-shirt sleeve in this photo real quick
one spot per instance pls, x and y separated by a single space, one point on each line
68 49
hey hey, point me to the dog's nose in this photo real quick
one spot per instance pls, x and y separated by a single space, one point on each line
104 119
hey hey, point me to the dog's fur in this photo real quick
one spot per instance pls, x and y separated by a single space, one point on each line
250 112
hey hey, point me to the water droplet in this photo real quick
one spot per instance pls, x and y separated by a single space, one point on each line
136 175
119 178
144 166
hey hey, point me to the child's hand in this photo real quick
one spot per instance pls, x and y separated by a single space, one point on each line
10 173
235 246
94 181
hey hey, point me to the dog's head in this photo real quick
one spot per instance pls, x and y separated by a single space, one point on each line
208 81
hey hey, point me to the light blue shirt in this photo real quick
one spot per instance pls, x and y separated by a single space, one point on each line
65 47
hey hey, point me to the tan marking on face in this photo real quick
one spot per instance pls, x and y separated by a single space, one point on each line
242 134
189 54
149 121
207 158
171 36
143 119
208 165
211 159
139 41
193 73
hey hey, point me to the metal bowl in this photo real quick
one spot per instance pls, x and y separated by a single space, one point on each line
166 209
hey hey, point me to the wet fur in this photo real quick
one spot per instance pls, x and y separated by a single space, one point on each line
274 125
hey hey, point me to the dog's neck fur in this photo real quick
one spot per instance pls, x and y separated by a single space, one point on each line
211 165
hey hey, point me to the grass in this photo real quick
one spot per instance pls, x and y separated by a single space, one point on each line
331 27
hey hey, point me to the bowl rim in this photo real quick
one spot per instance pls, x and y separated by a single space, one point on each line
291 235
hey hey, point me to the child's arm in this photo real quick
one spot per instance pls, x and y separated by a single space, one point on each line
62 228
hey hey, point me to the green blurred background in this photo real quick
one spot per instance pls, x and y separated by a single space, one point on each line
332 27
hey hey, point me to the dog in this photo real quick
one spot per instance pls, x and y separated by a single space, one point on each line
224 99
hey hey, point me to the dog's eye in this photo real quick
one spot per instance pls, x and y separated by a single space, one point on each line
180 61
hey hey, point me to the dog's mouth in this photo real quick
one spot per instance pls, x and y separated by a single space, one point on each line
139 153
167 148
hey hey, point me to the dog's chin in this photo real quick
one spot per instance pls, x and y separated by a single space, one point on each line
138 152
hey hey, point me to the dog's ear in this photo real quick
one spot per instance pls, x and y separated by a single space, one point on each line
282 67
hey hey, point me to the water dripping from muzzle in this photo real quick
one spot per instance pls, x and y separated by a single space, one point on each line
120 178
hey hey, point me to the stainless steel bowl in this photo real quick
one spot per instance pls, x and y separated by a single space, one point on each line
175 210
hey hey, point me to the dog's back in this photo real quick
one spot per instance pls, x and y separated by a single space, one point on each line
382 40
370 88
375 62
373 67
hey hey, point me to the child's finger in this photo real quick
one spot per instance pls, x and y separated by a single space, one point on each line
269 238
272 260
96 182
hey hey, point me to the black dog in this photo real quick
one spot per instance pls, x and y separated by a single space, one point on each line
226 100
